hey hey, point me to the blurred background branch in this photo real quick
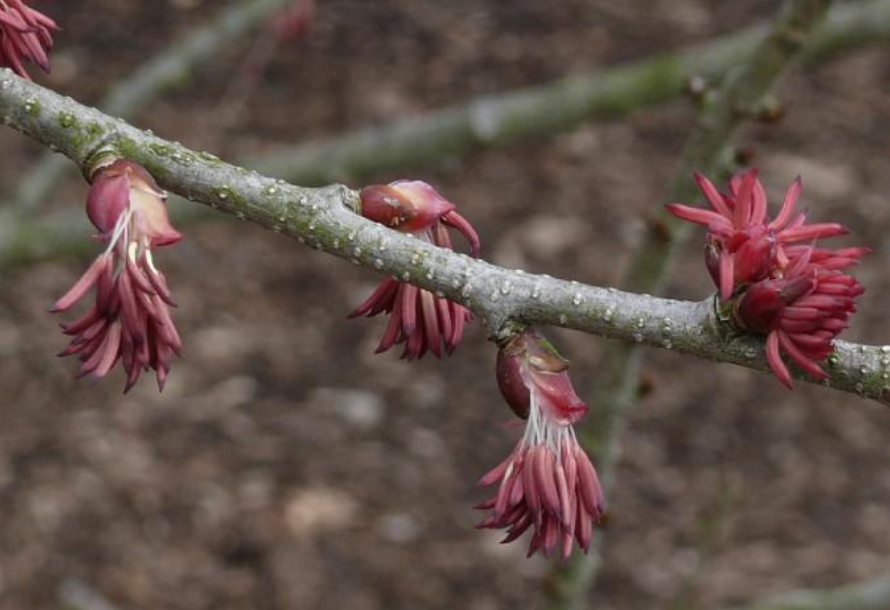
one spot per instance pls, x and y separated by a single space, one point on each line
545 110
869 595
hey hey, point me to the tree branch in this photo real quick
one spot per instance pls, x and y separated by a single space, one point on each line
325 219
430 137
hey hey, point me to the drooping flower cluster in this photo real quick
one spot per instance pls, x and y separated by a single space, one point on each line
419 319
547 483
130 319
777 281
25 34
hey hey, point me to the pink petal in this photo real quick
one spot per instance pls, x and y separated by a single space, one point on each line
802 361
697 215
379 300
727 276
788 203
83 285
431 322
774 358
457 221
712 195
744 203
409 308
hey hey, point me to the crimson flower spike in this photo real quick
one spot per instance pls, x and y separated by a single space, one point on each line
547 483
804 310
743 244
130 318
25 34
418 318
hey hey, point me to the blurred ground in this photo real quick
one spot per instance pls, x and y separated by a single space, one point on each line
287 467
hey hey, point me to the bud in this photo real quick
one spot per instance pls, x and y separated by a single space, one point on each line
763 303
510 381
530 361
124 187
407 206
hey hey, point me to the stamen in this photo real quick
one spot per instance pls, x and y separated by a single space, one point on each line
150 260
120 227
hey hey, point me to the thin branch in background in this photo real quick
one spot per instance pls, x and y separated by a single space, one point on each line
161 73
710 537
868 595
721 115
75 594
545 110
428 138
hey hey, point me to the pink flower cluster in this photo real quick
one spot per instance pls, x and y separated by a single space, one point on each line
130 319
778 282
25 34
547 483
420 320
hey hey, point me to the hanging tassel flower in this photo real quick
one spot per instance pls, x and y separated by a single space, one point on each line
419 319
547 483
25 34
130 319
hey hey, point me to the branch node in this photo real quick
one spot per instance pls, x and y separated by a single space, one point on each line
103 154
505 332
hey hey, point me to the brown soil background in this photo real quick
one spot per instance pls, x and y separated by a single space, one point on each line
287 467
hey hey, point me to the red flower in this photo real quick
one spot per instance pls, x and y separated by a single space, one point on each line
419 319
804 310
547 482
743 245
130 320
24 34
